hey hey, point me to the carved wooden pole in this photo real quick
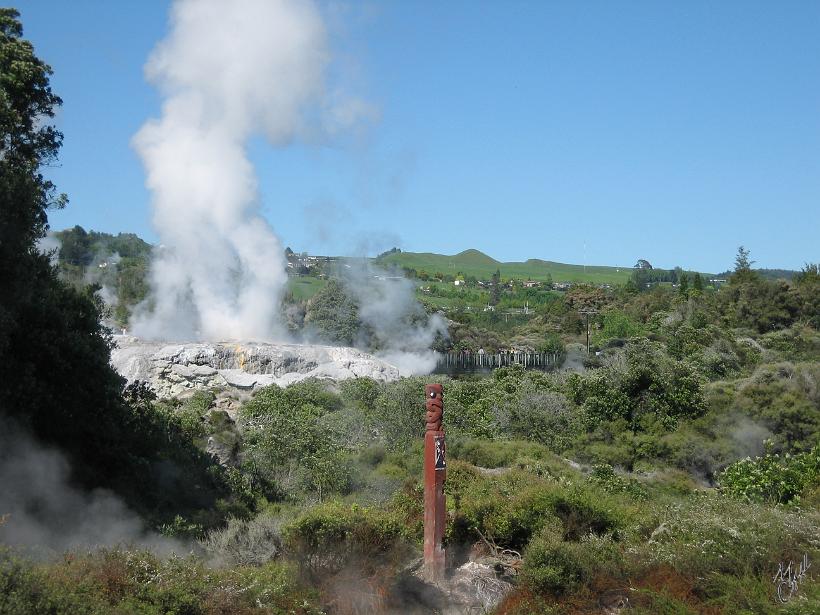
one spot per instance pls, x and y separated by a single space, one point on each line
435 471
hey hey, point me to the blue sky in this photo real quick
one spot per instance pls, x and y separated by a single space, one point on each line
575 131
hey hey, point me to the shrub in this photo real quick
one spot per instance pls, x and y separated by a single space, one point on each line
603 476
329 536
509 509
362 392
122 581
784 397
253 542
587 511
288 440
496 454
708 533
552 565
396 416
546 417
617 324
649 383
772 478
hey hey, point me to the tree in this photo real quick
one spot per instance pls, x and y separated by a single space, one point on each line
683 288
810 274
75 247
56 380
334 315
495 288
807 293
697 282
640 278
743 267
742 262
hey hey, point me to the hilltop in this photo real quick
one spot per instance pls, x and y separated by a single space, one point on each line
473 262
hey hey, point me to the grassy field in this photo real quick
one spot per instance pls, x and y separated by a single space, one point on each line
478 264
304 287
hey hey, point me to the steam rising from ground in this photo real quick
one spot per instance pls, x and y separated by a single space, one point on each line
388 307
50 245
44 512
228 71
102 269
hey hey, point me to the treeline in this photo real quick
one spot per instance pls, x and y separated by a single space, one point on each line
56 381
81 248
117 265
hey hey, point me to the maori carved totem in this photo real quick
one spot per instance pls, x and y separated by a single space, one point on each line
435 471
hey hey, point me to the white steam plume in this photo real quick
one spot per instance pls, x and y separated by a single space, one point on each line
50 244
43 512
389 308
228 71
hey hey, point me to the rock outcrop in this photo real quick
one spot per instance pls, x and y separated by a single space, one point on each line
173 369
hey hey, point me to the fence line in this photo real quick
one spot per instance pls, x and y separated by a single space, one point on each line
482 361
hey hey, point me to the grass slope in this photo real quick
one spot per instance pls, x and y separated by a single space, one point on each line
474 262
304 287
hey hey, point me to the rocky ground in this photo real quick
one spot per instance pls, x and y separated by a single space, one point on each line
173 369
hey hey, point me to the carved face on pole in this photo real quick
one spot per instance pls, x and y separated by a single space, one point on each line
434 406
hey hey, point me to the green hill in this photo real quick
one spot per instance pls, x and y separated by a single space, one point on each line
476 258
476 263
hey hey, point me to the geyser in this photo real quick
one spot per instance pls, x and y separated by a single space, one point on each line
228 71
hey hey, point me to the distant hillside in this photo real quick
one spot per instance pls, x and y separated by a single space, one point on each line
769 274
476 263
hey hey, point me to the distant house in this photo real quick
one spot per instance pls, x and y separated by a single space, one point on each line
459 281
531 284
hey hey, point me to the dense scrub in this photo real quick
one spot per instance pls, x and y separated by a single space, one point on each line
684 490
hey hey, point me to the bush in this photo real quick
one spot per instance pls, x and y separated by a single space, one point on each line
554 566
603 476
616 324
709 533
496 454
649 383
551 565
289 442
772 478
122 581
396 416
251 542
329 536
545 417
362 392
785 398
509 509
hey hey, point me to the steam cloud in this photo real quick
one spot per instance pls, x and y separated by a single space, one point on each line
102 270
388 306
50 245
45 513
228 71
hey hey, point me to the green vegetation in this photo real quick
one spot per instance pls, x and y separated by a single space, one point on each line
477 264
675 467
118 263
304 287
